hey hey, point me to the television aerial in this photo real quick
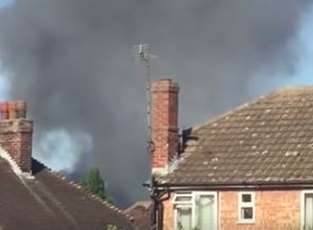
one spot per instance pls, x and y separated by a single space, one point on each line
144 55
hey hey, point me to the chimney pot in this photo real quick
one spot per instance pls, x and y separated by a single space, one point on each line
4 110
21 109
12 110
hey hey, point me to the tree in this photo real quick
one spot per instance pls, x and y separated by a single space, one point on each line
95 184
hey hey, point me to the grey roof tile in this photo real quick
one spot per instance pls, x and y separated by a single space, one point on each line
269 140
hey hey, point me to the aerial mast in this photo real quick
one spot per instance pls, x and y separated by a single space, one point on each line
144 54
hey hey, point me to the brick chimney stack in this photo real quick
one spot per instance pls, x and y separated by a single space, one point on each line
16 133
164 124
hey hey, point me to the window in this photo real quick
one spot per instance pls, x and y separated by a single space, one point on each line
195 211
307 210
246 207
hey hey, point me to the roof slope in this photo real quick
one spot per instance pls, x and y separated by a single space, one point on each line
267 141
141 212
49 202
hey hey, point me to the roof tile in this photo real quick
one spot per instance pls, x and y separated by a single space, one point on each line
269 140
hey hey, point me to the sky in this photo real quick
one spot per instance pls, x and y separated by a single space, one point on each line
5 85
6 3
303 69
74 62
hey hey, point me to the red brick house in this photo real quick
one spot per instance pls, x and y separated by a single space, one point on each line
251 168
33 197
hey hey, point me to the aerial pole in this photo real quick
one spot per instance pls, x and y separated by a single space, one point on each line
144 55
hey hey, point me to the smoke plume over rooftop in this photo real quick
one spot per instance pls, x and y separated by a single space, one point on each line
73 60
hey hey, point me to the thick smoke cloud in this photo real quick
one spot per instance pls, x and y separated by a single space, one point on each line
73 61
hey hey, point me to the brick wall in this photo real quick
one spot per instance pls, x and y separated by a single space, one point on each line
164 124
168 216
275 210
16 133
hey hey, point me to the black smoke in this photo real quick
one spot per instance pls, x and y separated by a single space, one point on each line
73 60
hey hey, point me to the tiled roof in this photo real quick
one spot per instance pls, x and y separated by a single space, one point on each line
267 141
141 212
50 202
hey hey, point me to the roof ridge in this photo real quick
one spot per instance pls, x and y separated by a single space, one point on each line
80 187
256 100
295 89
225 114
142 203
288 87
13 165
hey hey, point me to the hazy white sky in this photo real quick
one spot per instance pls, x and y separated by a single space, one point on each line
303 72
4 77
64 145
5 3
5 85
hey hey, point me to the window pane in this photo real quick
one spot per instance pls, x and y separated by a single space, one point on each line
308 212
183 193
183 198
246 198
184 218
205 212
247 213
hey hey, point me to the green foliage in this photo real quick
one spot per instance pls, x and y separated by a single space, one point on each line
95 184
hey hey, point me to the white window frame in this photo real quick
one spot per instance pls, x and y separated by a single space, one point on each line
192 205
303 193
246 205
